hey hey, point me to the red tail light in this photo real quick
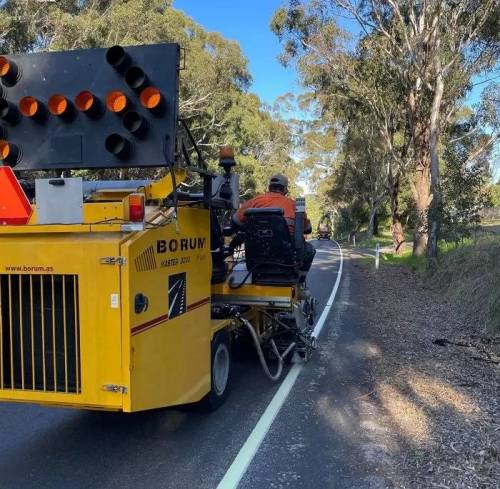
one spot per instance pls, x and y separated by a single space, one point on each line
136 207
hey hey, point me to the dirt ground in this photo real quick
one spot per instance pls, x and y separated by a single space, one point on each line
433 412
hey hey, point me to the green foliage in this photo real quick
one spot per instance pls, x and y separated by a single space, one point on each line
319 210
495 195
464 183
213 88
347 220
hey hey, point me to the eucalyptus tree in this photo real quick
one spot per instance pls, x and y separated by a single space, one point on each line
433 49
354 87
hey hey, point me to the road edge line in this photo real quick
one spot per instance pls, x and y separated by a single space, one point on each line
247 452
321 321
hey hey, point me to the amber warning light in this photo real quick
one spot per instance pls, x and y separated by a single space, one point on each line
15 208
116 101
226 152
150 98
9 153
4 66
4 150
29 106
9 72
58 105
89 104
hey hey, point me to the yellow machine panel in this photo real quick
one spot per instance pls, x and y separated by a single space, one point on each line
107 320
61 319
254 295
166 313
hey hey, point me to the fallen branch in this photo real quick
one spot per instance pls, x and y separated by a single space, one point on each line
488 360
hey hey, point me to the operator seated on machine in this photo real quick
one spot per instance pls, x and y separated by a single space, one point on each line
276 198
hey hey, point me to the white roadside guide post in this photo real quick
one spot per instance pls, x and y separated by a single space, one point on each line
377 255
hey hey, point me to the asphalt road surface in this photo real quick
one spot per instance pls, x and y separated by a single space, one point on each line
186 448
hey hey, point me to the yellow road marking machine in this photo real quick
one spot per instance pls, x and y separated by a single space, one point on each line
121 294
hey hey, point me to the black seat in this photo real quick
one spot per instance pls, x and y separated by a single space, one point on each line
269 248
217 250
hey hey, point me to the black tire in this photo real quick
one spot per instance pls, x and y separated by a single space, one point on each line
220 380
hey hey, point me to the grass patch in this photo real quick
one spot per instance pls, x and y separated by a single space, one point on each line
470 274
490 223
415 263
384 238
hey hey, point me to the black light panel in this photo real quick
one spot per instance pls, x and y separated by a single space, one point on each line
92 108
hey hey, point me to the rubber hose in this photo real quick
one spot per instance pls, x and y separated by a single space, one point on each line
260 353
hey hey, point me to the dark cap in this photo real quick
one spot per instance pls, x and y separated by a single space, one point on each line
279 179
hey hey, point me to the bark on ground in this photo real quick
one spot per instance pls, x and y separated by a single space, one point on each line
434 403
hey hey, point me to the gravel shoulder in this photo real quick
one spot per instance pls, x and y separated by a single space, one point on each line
432 415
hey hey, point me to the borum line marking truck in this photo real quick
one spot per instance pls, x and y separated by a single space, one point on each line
122 294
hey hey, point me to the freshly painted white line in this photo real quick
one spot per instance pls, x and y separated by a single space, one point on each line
247 452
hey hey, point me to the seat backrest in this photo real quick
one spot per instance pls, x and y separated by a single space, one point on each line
217 250
269 249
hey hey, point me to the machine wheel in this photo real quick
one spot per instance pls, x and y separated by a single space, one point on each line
220 368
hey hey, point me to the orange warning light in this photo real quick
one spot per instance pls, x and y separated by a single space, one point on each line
226 152
116 101
9 72
58 104
15 208
150 98
4 150
84 101
4 66
28 106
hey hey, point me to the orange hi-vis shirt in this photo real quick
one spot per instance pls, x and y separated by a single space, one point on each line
273 200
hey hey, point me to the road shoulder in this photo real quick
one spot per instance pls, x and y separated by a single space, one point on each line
381 404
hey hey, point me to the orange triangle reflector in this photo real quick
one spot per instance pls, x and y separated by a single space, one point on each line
15 208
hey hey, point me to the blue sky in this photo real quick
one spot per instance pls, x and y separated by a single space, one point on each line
247 21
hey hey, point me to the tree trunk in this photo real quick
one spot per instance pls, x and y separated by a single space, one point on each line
375 204
435 211
421 183
371 222
422 197
398 235
397 231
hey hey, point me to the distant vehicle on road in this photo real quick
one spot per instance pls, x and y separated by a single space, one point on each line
324 232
